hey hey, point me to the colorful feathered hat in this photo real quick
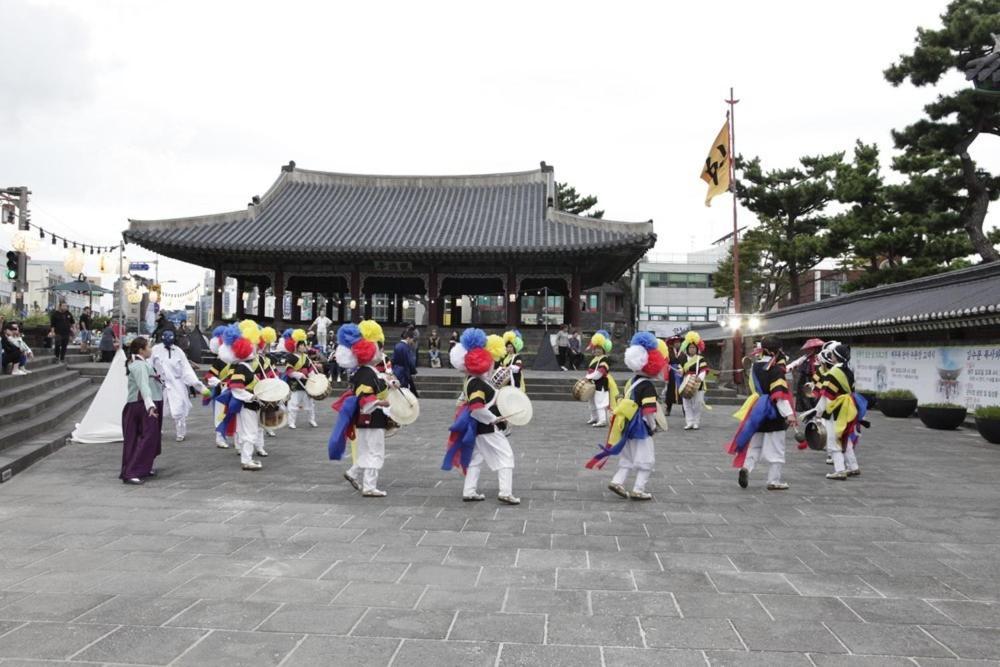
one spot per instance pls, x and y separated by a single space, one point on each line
470 355
601 340
692 338
216 340
372 331
267 337
514 338
353 349
291 338
496 346
643 355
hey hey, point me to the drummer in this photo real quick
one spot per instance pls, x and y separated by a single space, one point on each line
369 385
241 383
513 345
296 374
695 369
764 417
599 372
216 377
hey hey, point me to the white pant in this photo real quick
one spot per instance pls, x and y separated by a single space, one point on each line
370 445
599 404
300 400
637 455
249 435
495 451
843 459
219 413
768 447
692 409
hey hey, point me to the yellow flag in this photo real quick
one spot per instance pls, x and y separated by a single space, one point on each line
715 172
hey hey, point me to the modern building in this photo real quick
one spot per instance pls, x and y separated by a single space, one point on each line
41 277
676 292
466 248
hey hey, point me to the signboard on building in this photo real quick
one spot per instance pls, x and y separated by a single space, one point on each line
968 375
664 328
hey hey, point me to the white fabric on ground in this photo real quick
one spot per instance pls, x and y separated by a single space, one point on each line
103 421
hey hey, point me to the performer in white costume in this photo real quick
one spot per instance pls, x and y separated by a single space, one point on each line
172 365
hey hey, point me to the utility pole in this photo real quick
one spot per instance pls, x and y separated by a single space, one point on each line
23 218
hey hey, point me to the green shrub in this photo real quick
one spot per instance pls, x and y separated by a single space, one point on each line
988 412
897 393
948 406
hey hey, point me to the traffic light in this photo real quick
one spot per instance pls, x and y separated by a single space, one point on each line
12 260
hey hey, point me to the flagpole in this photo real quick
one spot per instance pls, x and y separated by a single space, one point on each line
737 341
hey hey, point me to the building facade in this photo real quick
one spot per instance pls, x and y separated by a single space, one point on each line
41 277
439 250
676 292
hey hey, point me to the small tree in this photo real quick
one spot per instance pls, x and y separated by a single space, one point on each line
568 200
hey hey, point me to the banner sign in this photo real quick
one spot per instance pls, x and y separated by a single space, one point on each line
965 375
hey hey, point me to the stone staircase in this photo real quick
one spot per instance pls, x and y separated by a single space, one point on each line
38 411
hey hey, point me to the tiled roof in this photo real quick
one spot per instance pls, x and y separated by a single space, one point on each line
962 298
354 216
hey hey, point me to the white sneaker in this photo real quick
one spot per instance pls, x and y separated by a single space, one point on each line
600 424
475 496
260 452
253 465
291 426
271 434
842 475
180 438
688 427
312 422
221 444
509 500
694 428
374 493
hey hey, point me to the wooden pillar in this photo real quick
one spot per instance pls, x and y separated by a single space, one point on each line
573 307
219 288
241 310
329 305
279 300
342 308
512 306
456 311
261 300
356 296
434 305
399 308
296 309
368 305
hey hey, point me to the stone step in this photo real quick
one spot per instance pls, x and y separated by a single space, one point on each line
23 422
38 382
42 435
38 370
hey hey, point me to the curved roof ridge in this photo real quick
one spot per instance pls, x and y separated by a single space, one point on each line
313 177
191 221
600 224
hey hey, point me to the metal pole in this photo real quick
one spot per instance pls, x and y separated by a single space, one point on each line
737 305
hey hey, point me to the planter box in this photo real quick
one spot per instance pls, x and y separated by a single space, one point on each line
897 407
989 429
944 419
872 399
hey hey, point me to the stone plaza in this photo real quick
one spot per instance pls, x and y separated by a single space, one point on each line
211 565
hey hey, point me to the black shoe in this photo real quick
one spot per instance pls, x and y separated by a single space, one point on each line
744 474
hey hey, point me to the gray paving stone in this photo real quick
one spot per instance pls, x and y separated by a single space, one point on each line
751 582
363 593
240 649
973 614
885 639
404 623
714 605
693 582
530 655
651 657
911 586
593 630
628 603
845 585
754 658
797 607
544 559
690 633
219 587
314 619
287 589
546 601
142 645
55 641
51 606
824 660
450 576
968 643
606 580
320 651
129 610
446 654
224 615
623 560
787 635
498 627
516 576
291 567
910 611
373 572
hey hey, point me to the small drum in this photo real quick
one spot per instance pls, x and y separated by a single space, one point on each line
273 416
689 387
584 390
816 435
271 391
318 386
403 406
500 377
515 405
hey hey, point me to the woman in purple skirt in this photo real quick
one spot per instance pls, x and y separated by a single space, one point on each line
141 417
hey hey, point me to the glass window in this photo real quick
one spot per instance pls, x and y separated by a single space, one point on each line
697 280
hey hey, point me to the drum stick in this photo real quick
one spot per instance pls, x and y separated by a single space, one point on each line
807 413
405 397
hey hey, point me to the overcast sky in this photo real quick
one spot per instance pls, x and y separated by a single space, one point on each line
113 110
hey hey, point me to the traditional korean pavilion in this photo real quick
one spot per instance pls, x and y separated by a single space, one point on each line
366 245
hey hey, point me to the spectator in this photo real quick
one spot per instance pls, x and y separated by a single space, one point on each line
26 353
61 321
109 343
321 326
11 349
434 349
183 337
575 350
403 358
86 323
163 324
562 346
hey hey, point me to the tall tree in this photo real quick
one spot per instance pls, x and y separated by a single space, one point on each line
936 148
569 200
893 232
763 282
791 208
